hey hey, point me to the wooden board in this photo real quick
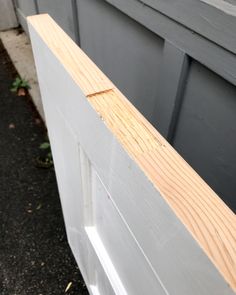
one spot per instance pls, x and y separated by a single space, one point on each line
138 217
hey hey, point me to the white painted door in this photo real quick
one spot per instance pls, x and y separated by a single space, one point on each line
123 234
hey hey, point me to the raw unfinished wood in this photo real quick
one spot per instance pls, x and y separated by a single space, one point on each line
203 213
79 63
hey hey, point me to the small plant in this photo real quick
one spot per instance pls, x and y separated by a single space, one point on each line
20 86
45 161
44 146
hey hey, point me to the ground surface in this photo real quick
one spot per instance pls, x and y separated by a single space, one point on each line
19 49
34 255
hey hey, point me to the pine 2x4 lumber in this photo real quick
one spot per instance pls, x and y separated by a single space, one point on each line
210 222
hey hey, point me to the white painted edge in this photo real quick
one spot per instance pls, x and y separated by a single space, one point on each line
94 290
105 261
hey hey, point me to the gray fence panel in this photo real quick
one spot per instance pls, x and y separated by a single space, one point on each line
23 9
62 12
206 131
127 52
180 46
28 7
7 15
213 19
208 53
176 62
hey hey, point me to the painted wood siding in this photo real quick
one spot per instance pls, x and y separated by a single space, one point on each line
176 62
7 15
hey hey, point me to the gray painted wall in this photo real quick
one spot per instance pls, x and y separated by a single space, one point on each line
118 45
25 8
61 11
175 61
206 129
7 15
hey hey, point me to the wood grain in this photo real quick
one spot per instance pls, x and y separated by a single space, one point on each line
204 214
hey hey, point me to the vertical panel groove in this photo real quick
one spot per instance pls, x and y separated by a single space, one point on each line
86 175
171 79
178 99
36 6
75 20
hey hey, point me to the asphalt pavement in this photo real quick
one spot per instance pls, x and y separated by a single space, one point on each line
35 257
